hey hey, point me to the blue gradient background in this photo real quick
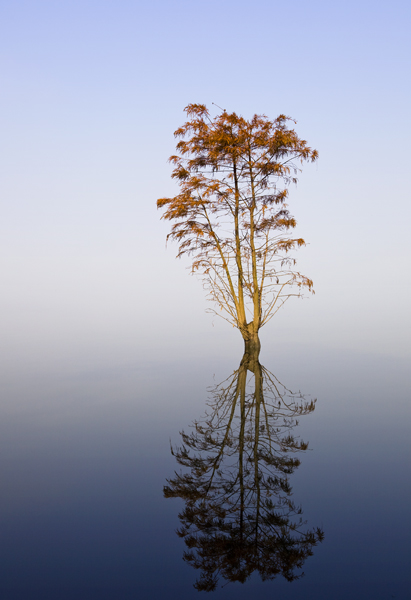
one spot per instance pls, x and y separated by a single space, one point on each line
106 349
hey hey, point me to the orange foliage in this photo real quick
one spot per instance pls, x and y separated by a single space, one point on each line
231 214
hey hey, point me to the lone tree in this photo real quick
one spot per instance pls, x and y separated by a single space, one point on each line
231 213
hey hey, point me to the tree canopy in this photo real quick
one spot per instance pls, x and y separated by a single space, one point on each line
231 214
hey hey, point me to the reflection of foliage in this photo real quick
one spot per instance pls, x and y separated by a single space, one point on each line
238 516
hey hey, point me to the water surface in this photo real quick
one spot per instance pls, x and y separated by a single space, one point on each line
85 454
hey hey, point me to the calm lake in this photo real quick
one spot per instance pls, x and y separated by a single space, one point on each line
85 455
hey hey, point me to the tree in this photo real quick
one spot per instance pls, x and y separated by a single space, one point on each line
239 516
231 214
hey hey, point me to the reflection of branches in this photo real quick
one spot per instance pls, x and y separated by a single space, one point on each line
238 515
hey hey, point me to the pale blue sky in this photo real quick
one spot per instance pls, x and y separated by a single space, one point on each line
91 94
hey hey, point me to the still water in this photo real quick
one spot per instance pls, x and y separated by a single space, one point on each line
296 465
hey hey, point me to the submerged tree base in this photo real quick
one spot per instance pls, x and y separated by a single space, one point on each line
252 347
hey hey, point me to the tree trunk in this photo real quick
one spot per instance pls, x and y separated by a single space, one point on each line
251 341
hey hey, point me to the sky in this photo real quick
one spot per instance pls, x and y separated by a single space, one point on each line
91 95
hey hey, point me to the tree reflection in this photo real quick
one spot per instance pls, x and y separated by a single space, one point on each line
239 516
